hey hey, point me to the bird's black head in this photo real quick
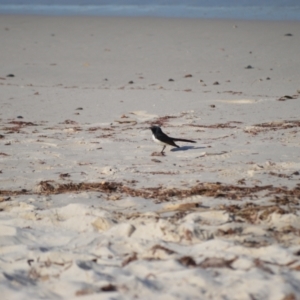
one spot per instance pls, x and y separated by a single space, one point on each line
155 129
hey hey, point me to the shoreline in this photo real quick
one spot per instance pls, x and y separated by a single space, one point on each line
261 12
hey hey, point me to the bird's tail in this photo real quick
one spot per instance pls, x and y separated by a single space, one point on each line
183 140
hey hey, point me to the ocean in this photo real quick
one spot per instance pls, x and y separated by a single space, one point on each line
213 9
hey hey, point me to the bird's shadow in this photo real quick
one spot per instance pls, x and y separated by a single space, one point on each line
185 148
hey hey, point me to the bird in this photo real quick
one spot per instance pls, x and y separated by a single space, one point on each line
160 137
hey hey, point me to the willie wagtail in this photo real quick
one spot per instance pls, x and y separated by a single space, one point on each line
161 138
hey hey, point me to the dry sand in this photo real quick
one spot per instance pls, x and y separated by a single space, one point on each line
87 208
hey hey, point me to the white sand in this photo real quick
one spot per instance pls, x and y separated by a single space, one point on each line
169 232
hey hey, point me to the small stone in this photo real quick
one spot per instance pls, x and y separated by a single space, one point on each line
156 160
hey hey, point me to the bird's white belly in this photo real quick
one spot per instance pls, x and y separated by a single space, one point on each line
158 141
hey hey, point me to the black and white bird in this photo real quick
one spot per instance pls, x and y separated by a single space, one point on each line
161 138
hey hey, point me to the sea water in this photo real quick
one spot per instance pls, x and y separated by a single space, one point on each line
220 9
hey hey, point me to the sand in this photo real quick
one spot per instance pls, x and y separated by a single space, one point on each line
88 207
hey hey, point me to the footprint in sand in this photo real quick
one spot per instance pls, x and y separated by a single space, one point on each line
240 101
272 166
232 173
217 155
291 138
189 203
142 115
223 155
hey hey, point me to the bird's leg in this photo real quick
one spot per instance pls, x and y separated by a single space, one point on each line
162 151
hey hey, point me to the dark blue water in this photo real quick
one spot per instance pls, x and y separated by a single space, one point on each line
224 9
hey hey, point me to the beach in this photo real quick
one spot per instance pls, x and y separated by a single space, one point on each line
89 208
